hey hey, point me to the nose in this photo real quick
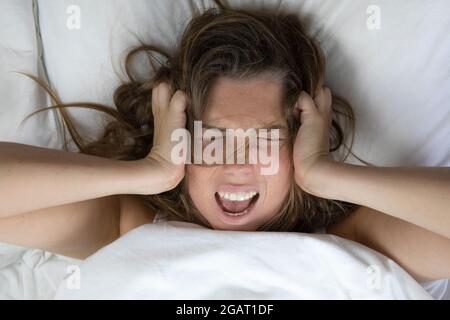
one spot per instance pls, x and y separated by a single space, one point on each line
238 171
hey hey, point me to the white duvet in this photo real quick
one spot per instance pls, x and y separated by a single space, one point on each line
178 260
397 78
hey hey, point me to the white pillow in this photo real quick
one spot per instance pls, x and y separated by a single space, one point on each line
19 52
396 77
85 63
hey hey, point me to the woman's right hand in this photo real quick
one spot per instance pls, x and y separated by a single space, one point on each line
160 173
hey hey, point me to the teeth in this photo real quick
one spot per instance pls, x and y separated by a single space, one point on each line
240 196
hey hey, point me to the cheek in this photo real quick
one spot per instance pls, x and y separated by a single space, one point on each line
194 177
197 188
277 187
286 165
280 183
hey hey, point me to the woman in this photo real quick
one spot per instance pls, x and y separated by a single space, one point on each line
233 69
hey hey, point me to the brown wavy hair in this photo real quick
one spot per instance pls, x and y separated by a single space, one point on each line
220 42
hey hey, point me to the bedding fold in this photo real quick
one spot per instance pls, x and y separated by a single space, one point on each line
178 260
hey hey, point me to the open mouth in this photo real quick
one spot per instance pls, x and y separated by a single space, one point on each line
236 204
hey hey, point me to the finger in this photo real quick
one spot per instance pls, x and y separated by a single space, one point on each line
320 84
164 95
179 101
307 107
154 99
324 104
328 105
323 101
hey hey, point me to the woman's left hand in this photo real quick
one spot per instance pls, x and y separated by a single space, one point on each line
312 145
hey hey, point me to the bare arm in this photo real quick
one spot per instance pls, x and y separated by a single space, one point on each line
34 178
405 213
419 195
74 204
423 254
68 203
75 230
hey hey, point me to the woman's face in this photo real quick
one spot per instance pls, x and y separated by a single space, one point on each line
238 196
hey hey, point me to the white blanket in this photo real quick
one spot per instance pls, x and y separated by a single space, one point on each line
31 273
177 260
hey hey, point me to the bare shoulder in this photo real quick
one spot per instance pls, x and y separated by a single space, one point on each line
75 229
133 213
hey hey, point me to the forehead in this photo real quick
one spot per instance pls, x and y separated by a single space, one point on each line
255 103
